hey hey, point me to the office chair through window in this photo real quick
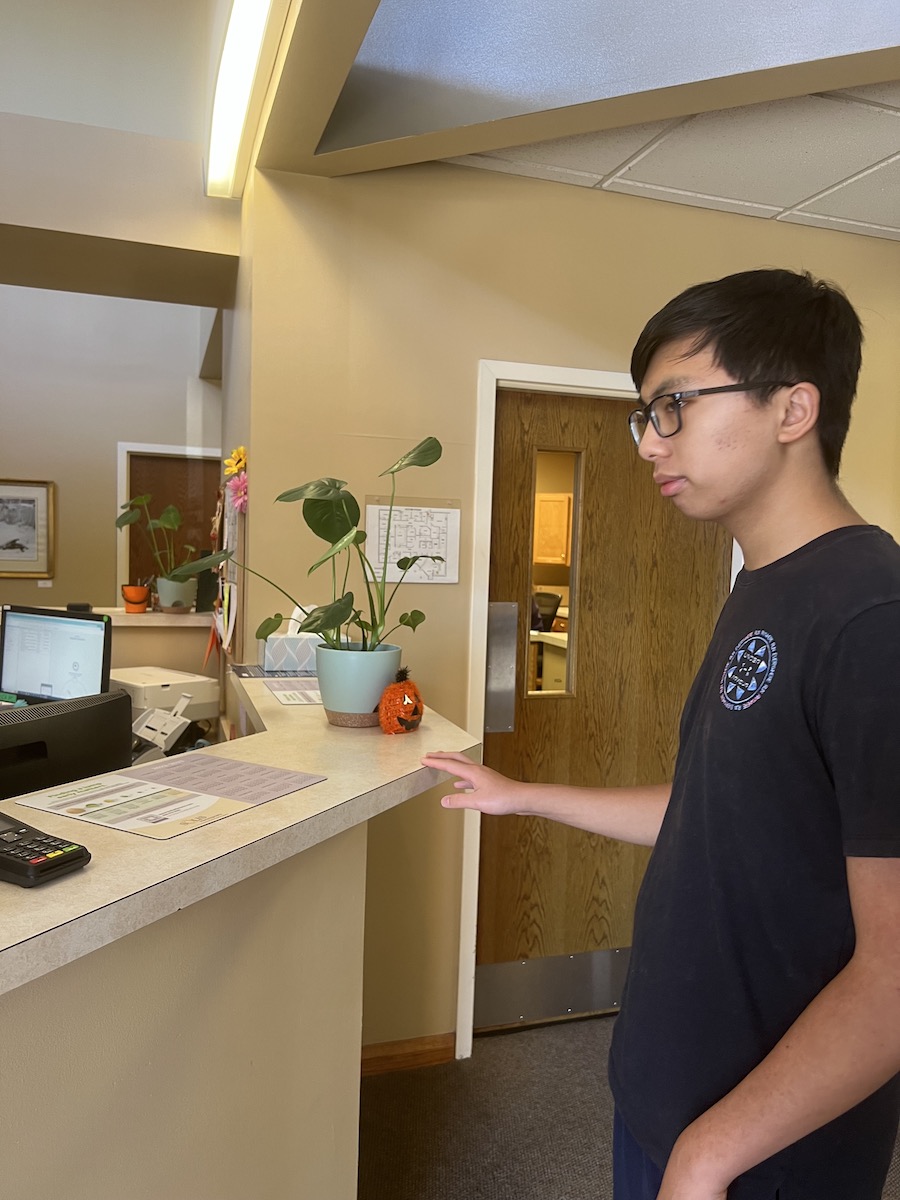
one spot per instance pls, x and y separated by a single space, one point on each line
547 604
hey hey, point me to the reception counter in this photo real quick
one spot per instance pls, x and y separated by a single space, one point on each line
182 1018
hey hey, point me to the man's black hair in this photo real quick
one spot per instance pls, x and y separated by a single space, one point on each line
770 324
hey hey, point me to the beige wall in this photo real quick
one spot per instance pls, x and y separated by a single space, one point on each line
78 375
128 186
104 113
374 297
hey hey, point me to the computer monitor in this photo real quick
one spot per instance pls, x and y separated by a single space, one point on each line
63 740
53 654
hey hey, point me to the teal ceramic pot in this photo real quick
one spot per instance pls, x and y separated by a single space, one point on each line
351 682
176 596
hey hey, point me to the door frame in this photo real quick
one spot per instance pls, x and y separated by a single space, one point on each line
124 452
535 377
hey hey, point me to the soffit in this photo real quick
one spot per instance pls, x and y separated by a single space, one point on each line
784 112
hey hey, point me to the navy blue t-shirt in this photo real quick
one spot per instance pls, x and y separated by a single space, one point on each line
789 759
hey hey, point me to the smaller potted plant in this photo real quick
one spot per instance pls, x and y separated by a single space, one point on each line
136 597
175 594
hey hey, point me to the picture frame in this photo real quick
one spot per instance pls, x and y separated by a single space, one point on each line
27 529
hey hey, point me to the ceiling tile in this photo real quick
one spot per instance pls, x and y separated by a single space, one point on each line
695 200
877 93
594 153
532 170
859 227
873 198
774 154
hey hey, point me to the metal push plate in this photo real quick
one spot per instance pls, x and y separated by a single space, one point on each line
500 679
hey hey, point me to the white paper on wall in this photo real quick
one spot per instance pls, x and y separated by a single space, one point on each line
415 529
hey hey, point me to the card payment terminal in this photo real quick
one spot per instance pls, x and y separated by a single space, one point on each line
29 857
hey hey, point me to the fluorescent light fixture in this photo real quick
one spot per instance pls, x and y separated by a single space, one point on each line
234 84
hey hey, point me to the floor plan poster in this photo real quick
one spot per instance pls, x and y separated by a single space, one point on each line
415 530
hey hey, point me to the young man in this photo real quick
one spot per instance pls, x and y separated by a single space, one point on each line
757 1050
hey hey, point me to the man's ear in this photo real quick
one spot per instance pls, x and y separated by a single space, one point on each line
799 406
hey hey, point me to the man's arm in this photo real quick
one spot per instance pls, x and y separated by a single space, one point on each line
630 814
843 1047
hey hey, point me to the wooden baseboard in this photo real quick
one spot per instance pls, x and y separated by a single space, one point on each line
428 1051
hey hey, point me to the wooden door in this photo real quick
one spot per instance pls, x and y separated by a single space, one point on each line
646 588
191 484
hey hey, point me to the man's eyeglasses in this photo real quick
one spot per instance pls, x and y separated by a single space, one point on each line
664 412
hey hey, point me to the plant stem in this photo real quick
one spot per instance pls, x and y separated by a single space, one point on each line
150 535
265 579
374 608
387 543
394 593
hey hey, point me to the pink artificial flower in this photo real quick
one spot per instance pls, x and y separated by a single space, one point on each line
237 488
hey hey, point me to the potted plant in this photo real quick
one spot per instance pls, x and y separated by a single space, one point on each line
354 660
136 597
175 594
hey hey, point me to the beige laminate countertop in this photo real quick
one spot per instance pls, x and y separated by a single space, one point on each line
134 880
551 639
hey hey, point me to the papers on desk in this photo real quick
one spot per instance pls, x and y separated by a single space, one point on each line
298 690
159 799
288 687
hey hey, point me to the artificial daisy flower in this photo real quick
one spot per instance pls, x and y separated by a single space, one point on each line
237 462
237 489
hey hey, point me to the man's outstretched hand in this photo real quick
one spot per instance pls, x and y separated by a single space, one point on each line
477 786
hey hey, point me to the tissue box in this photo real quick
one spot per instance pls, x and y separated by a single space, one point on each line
289 652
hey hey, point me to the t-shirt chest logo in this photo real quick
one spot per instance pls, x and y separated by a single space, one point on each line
749 670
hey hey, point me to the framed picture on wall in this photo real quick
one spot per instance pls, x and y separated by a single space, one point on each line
27 529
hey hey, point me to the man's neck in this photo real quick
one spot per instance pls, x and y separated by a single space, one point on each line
789 518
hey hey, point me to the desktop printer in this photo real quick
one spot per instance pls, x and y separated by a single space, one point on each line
160 687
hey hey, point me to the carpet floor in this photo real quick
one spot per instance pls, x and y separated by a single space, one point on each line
527 1117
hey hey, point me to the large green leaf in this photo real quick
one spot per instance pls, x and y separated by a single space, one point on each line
347 540
169 518
412 619
269 626
317 489
329 616
331 519
405 563
128 518
209 563
423 455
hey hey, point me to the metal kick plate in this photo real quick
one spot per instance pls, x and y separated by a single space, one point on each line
500 680
546 989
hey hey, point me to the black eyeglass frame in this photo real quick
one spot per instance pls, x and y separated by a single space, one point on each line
648 414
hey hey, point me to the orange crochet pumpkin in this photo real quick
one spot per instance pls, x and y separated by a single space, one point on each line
400 708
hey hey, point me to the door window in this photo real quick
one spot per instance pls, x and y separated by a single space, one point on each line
553 575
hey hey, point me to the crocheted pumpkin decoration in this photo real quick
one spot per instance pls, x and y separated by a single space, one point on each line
400 708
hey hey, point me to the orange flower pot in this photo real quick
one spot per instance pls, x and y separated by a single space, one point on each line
136 597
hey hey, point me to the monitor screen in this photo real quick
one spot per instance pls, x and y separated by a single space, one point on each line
48 654
63 740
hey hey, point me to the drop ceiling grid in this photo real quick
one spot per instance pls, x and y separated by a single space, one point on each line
829 160
778 155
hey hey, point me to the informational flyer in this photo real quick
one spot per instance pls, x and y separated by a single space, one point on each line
299 690
162 799
299 696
